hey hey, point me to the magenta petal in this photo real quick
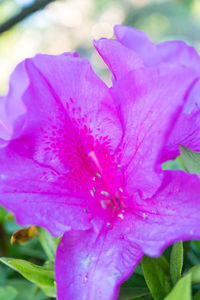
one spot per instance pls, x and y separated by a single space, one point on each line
171 215
139 42
186 130
12 109
92 265
178 52
37 195
5 130
118 58
149 102
80 92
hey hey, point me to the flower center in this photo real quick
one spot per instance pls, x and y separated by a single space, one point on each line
104 187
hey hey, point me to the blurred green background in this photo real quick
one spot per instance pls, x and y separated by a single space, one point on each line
72 25
68 25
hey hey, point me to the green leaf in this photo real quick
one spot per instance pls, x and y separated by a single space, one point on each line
48 243
182 290
176 164
135 280
197 296
132 293
176 261
197 243
3 213
50 291
191 160
26 290
157 276
41 276
7 293
195 274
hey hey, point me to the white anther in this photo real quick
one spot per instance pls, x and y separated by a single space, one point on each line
94 178
121 190
92 193
119 166
98 175
105 193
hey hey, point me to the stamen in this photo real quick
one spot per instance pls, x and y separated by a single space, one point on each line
119 166
93 156
121 190
94 189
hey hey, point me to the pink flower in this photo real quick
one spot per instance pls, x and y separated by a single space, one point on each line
84 161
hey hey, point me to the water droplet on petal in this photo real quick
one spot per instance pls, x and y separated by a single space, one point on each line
85 262
116 274
121 216
86 278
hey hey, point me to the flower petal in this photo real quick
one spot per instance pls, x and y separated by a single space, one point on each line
5 132
139 42
92 265
12 109
37 194
179 53
118 58
81 93
171 215
186 130
149 102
